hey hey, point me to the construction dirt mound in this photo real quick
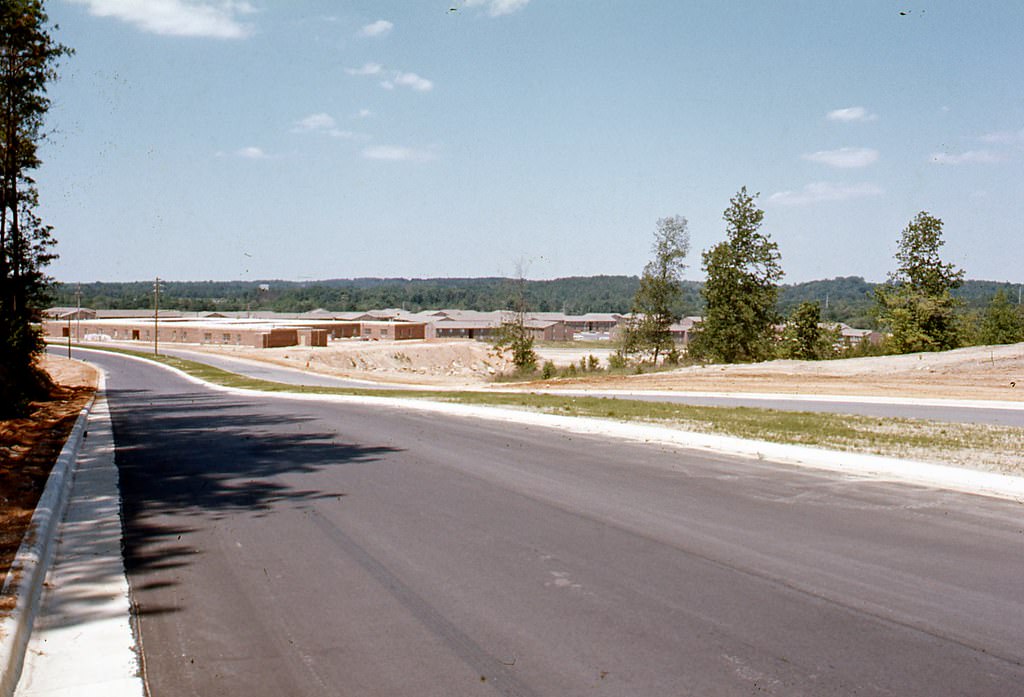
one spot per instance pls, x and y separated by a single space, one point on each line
978 372
424 362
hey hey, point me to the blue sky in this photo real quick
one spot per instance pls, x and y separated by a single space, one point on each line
210 139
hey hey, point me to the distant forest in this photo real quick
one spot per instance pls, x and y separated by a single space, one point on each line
848 299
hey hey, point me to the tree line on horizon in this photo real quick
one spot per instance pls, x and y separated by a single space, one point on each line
847 299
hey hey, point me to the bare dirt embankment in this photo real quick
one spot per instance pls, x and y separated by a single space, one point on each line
441 363
980 372
29 446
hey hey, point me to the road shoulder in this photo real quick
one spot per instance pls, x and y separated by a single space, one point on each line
82 643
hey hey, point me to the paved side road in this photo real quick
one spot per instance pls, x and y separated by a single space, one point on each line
82 643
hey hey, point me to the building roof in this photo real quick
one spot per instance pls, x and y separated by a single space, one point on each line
494 315
136 314
531 323
547 316
390 323
65 312
467 324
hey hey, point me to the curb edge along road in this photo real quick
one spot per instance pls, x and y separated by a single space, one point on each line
34 556
969 481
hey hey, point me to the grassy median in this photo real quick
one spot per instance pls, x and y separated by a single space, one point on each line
978 446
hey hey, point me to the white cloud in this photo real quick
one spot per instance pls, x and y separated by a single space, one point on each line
381 27
506 7
497 8
315 122
818 192
362 114
366 69
393 78
345 135
1004 137
982 157
325 124
852 113
251 153
398 153
414 81
844 158
203 18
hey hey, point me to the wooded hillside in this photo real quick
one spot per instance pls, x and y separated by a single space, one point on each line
847 299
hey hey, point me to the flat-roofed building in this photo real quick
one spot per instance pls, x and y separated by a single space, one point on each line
251 333
392 331
66 313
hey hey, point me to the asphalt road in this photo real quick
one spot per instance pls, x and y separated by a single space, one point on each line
280 547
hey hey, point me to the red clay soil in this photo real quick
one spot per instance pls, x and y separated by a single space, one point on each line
29 446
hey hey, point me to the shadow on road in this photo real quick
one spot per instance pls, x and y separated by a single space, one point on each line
188 460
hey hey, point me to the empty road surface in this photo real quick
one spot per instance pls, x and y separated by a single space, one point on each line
280 547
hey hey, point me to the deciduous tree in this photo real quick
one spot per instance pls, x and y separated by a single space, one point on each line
660 288
804 337
513 333
741 289
1002 323
916 302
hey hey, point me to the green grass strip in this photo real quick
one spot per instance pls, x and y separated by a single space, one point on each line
979 446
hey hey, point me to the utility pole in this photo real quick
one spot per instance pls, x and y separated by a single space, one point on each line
69 336
156 317
78 313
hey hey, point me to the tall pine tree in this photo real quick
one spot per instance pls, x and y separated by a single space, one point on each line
28 58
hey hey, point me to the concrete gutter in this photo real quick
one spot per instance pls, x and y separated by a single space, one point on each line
25 579
877 467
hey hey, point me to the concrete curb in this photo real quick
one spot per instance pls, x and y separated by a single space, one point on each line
28 571
978 482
